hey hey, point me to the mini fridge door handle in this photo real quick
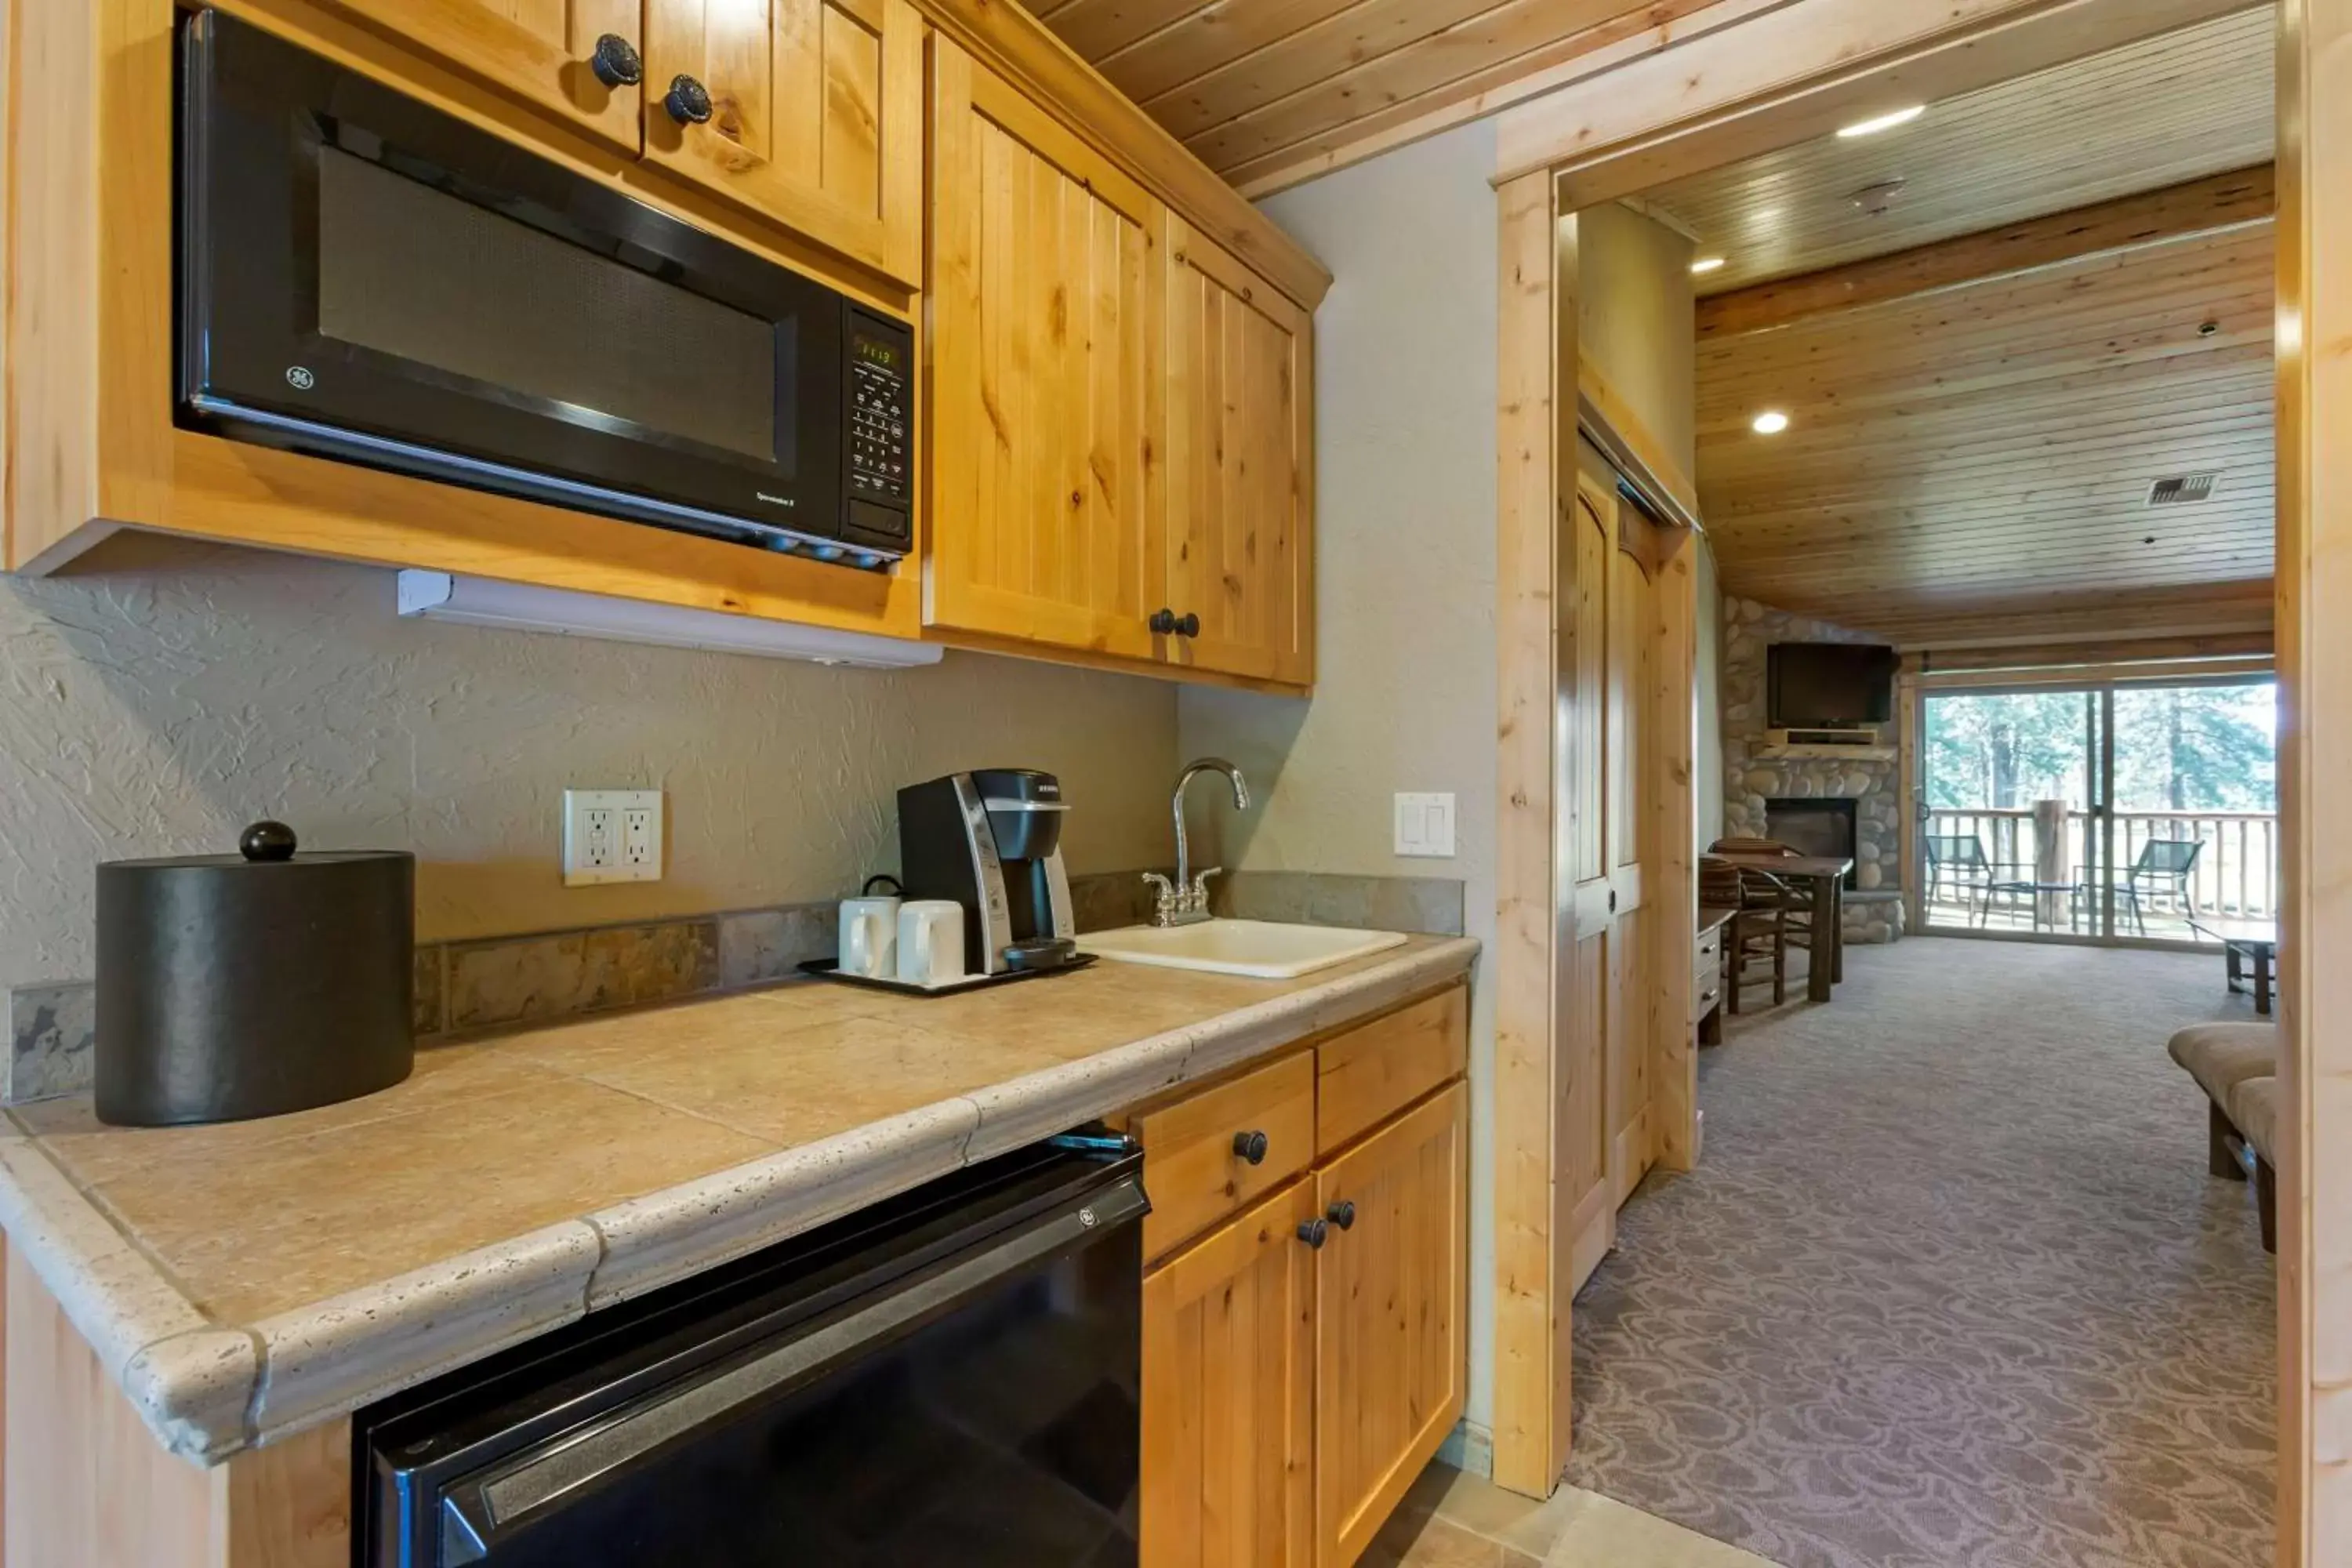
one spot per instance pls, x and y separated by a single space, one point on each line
476 1510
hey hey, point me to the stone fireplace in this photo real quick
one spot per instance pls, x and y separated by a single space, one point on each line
1793 792
1821 826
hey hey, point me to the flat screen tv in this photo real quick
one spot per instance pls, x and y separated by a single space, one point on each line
1810 684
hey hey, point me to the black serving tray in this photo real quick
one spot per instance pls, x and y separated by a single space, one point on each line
830 969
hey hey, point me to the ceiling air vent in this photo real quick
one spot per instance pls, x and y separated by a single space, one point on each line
2182 488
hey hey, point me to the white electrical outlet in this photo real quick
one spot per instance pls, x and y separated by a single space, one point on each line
612 835
1425 825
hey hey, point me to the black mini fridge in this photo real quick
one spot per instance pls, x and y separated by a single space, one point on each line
948 1378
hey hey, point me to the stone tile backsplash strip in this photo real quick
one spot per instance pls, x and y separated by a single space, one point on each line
492 983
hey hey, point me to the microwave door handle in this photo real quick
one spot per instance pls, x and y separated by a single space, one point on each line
476 1513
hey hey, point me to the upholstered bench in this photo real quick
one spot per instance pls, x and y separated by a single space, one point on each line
2220 1057
2254 1108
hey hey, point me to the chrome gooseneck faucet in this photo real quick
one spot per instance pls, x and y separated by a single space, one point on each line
1186 900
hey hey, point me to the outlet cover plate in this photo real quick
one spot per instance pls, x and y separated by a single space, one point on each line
1425 825
612 835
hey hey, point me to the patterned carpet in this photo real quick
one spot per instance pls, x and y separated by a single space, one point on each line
1951 1287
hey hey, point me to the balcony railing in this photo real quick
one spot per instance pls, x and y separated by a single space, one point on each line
2236 874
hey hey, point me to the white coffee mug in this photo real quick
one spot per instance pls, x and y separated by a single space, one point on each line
869 937
930 941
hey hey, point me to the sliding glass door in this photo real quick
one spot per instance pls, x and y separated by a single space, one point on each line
2117 811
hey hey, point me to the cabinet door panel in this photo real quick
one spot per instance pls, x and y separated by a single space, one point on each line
1043 309
816 115
537 49
1390 1299
1228 1394
1240 467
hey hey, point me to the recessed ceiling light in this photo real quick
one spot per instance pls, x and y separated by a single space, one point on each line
1884 121
1771 422
1706 264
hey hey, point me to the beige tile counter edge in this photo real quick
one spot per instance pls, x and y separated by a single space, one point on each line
208 1389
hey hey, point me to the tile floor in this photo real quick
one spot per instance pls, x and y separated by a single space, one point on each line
1451 1519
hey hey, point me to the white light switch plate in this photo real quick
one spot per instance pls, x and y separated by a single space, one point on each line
612 835
1425 825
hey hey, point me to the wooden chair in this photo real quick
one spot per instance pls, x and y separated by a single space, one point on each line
1762 890
1757 933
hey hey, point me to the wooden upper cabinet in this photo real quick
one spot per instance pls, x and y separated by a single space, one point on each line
1391 1295
814 115
1044 305
1240 440
540 50
1228 1394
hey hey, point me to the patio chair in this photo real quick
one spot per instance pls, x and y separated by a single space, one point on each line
1963 856
2163 869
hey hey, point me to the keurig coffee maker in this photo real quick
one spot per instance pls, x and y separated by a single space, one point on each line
991 839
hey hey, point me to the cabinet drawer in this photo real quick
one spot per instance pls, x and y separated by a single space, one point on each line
1706 989
1194 1166
1367 1075
1711 947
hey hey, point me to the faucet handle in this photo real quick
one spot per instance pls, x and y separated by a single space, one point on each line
1199 892
1164 899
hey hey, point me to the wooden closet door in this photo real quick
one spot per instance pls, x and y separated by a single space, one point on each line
537 49
1625 1074
1228 1395
816 112
1045 317
1390 1297
1240 467
1588 972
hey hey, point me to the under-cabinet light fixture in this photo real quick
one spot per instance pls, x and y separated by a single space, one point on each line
1872 127
521 606
1771 422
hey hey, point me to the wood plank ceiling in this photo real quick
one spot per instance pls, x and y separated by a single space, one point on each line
1265 91
1975 424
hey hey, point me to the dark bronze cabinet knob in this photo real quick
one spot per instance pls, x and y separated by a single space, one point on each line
1187 624
687 100
1166 623
616 62
1314 1233
1342 1214
1250 1146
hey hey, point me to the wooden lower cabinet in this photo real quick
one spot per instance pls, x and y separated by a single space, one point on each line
1390 1293
1229 1394
1304 1357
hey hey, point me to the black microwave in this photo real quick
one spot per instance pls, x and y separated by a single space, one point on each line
364 278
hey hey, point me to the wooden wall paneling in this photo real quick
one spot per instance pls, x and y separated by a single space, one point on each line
1531 1309
87 1484
1238 466
1044 340
1228 1455
2178 107
2315 662
2235 199
1786 75
537 50
816 117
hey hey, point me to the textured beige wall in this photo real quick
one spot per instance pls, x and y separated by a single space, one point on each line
1636 320
1404 700
157 703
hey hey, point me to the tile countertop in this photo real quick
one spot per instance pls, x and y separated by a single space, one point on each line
245 1280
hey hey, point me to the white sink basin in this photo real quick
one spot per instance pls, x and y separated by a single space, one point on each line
1261 950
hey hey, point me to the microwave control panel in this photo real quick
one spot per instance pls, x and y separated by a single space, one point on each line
881 409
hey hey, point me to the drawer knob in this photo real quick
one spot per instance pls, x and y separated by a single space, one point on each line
687 100
1315 1233
1342 1214
616 62
1250 1146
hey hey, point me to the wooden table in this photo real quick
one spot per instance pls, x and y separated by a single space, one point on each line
2243 943
1827 873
